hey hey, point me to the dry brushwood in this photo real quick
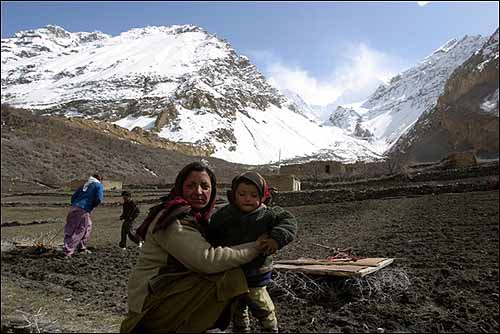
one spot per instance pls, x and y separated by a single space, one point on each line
43 243
298 286
33 321
383 286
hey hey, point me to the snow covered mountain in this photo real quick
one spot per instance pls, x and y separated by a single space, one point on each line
344 118
395 107
314 112
187 85
179 81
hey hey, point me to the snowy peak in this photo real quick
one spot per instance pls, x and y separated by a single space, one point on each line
446 47
151 62
319 114
344 118
395 107
32 43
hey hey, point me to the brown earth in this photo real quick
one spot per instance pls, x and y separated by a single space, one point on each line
444 277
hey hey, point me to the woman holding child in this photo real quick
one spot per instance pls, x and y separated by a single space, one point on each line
180 282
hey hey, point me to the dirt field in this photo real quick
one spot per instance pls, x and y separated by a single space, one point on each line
444 277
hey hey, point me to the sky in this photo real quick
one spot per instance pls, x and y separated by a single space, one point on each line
317 49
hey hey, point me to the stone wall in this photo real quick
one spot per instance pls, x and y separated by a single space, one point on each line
312 197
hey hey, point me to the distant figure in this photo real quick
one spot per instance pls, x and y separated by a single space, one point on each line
129 214
78 223
269 200
244 219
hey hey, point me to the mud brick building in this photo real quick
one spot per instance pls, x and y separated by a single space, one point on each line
336 169
283 182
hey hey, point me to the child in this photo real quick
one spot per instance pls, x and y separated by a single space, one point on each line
244 219
130 212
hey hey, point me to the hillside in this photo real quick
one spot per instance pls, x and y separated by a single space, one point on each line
39 151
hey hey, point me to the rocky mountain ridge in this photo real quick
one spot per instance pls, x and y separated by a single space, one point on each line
394 107
466 116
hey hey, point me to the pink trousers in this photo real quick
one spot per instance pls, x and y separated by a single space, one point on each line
77 230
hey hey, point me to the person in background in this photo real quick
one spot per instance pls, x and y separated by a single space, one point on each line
78 223
129 214
180 283
244 219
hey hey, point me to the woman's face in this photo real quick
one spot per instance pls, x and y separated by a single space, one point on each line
197 189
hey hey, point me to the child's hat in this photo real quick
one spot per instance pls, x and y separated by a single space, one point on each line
256 179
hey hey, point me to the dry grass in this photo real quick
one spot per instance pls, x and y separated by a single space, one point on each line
296 286
42 243
35 322
384 286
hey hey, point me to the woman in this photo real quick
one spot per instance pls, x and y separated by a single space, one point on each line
180 283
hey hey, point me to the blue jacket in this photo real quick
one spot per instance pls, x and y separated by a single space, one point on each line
89 199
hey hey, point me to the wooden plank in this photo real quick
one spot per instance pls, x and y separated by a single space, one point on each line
320 269
372 262
334 269
370 270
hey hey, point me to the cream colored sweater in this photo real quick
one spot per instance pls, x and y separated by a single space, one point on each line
188 246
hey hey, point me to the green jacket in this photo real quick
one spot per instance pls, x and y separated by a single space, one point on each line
230 226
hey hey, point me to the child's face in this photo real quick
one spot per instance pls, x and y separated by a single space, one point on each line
126 198
246 197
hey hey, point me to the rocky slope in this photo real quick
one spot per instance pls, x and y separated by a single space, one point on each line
466 116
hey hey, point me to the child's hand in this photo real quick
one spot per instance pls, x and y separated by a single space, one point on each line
262 242
261 238
268 246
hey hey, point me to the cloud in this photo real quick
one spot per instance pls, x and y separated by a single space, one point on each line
362 70
298 80
358 72
423 3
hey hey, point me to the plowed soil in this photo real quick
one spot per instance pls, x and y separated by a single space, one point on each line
444 277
